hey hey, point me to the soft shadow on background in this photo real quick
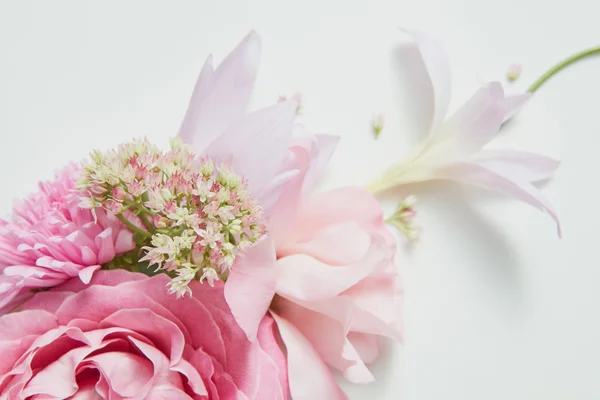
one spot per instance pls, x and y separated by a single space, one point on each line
413 91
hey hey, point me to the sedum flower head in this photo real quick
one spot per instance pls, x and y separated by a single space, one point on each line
191 216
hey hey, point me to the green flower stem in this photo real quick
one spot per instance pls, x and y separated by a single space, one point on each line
564 63
145 221
146 210
131 226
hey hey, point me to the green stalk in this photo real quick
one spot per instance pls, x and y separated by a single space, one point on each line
147 223
132 226
562 64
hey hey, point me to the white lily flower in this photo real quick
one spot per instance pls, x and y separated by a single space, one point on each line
454 149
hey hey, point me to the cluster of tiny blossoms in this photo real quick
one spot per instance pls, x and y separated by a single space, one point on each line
190 216
404 216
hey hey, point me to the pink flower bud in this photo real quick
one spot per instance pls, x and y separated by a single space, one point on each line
118 193
114 206
513 72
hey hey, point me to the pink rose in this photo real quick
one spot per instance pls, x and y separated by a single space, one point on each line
125 337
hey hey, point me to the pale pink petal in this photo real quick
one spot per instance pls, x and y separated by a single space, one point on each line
193 378
270 194
307 157
338 206
471 127
378 302
165 334
207 304
500 181
338 244
256 145
438 69
126 372
309 377
124 241
167 393
372 306
512 104
102 278
328 337
11 295
270 388
303 277
87 391
242 355
267 338
21 324
221 97
47 301
86 273
358 372
250 286
106 246
366 345
165 374
321 149
58 379
284 211
528 166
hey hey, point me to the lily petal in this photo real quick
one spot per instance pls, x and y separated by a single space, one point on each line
529 166
438 69
220 97
251 285
500 180
513 104
309 377
256 145
471 127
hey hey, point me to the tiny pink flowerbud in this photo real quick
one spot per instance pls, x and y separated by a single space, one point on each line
114 206
408 215
513 72
118 193
377 124
170 207
159 221
404 217
171 265
136 189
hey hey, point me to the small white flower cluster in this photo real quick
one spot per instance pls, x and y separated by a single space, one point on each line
191 216
404 216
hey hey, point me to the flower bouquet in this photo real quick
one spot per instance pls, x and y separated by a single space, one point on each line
213 269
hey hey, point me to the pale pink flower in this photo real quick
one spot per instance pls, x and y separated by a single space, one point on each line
326 265
454 149
124 337
51 239
327 273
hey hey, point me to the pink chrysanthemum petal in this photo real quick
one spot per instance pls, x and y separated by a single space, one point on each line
51 239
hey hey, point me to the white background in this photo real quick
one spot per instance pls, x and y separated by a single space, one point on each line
496 306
